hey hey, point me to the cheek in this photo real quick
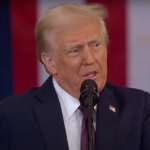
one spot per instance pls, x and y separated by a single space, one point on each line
74 67
101 59
70 66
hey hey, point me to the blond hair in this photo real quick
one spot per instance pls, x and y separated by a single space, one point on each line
67 14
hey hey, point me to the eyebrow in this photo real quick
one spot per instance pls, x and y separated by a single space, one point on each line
79 44
94 39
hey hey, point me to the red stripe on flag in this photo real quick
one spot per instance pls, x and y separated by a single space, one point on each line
23 19
116 26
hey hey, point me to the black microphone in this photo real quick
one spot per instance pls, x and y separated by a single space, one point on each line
88 86
88 99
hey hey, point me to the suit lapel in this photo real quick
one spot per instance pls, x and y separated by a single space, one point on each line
49 117
107 120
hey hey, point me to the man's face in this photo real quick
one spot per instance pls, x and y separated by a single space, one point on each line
80 54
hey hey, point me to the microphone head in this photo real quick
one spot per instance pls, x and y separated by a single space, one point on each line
88 86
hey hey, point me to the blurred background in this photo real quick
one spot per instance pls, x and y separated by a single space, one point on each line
128 27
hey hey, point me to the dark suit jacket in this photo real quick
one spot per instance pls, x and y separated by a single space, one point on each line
34 121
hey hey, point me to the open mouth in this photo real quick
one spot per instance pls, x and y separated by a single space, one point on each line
91 75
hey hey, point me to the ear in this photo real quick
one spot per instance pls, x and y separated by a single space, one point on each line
49 63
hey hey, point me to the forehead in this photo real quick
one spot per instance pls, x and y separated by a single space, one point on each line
89 31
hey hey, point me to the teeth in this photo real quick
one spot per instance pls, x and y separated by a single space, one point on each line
90 75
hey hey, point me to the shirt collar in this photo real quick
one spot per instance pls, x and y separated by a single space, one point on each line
69 104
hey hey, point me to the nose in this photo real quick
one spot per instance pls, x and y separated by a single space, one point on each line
88 57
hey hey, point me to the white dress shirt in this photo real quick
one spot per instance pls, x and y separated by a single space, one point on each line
72 116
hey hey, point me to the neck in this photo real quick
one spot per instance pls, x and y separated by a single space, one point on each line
73 93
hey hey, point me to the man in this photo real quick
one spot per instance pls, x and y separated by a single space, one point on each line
72 44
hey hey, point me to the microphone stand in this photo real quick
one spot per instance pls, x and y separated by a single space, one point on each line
89 98
90 120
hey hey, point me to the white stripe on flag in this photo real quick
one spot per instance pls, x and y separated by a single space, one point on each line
138 44
42 6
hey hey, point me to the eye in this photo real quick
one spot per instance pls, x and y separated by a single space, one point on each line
74 51
96 44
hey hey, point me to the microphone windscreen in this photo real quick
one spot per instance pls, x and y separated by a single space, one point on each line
89 84
88 87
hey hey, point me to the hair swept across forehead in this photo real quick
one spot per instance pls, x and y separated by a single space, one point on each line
67 15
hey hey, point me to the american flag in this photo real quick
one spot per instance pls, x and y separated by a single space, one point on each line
112 108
